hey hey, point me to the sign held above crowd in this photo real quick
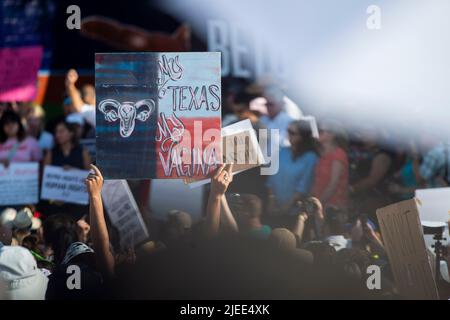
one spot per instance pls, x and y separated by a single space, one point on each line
405 246
158 114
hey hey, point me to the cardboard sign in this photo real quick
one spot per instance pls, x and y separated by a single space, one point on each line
405 246
64 185
158 114
19 183
124 213
240 147
18 73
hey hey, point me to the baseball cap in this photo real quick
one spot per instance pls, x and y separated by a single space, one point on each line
20 276
180 217
283 239
75 249
23 219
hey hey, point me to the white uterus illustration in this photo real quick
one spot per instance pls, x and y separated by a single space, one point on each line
127 112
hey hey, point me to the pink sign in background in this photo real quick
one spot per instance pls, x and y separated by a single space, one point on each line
18 72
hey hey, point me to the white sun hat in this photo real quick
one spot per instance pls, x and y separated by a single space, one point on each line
21 278
24 219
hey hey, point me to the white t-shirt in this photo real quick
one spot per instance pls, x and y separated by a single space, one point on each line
339 242
88 114
281 122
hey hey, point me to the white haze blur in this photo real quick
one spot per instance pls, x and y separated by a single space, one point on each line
396 78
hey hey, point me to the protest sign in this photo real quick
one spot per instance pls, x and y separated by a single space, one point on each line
158 114
124 213
64 185
434 204
405 246
240 147
19 183
18 72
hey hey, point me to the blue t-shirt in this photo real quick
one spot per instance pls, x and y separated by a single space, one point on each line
293 175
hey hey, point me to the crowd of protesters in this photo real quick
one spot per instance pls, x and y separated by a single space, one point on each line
309 231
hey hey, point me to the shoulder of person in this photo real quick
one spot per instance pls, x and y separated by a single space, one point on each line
30 140
310 155
46 135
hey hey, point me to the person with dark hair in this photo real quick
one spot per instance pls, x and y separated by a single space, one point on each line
59 232
248 210
67 152
370 167
15 146
296 171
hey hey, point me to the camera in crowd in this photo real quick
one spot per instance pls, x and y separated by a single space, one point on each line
307 205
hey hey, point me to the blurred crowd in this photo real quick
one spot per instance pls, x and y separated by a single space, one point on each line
309 231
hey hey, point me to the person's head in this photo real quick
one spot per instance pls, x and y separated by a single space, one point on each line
19 271
282 239
35 120
65 133
324 254
88 94
79 253
7 217
246 207
300 138
5 236
331 132
335 220
67 106
274 101
31 242
11 127
178 225
23 220
83 229
59 233
241 102
353 262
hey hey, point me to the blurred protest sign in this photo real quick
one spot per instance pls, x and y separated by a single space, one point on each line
124 213
405 246
19 183
434 204
18 72
158 114
434 207
239 147
64 185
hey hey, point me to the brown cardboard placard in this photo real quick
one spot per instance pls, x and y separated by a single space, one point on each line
405 246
